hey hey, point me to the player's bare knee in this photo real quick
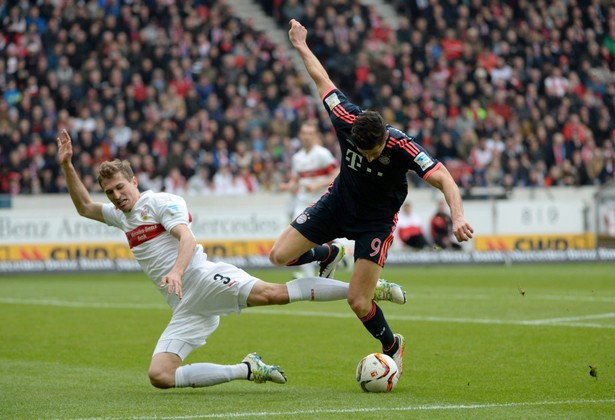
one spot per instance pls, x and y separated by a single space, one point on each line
275 258
359 305
161 378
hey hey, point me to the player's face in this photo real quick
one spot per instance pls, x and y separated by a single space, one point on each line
123 193
373 154
308 135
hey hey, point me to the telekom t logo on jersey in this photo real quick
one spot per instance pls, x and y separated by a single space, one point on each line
354 161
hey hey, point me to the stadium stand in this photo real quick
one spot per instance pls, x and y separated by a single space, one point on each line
507 94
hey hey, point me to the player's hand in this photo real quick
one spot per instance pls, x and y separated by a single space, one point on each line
173 282
462 230
297 33
311 187
65 147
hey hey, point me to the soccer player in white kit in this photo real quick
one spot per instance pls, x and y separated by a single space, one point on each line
313 168
197 290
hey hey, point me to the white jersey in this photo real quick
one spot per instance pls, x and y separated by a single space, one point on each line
147 227
209 289
309 167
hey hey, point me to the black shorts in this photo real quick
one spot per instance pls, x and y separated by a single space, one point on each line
322 223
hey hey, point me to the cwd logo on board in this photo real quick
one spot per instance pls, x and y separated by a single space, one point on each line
121 251
534 242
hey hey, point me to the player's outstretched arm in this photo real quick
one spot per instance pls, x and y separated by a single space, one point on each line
298 35
442 180
78 193
185 252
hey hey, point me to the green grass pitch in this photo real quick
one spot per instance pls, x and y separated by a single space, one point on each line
482 342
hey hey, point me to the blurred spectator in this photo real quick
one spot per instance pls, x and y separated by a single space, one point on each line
481 157
199 184
174 182
192 74
442 228
223 180
410 228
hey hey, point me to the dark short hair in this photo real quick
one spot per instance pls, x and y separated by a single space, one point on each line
368 130
107 170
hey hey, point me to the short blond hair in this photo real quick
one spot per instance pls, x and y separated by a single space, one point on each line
107 170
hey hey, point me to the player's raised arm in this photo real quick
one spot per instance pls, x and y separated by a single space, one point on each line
298 35
78 193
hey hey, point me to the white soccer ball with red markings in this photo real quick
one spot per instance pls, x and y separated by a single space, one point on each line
377 372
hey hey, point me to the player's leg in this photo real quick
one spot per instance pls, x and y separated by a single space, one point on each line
162 369
362 286
188 332
360 298
300 243
289 247
371 249
292 248
251 368
317 289
227 289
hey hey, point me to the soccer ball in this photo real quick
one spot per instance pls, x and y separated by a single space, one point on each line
377 372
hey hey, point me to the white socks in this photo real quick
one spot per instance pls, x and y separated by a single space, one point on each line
207 374
317 289
309 269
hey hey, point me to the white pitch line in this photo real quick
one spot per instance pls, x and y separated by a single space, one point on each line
77 304
290 312
371 410
572 318
556 322
511 294
578 298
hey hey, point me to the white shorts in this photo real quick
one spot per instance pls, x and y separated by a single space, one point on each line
210 290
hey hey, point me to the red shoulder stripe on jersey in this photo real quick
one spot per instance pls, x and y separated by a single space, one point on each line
413 147
143 233
316 172
351 116
344 115
408 147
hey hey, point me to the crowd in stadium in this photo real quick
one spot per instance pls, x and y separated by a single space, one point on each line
505 93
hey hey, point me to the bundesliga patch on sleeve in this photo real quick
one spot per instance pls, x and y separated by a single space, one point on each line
423 160
172 206
332 100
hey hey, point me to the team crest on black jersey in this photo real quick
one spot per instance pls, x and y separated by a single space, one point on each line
384 159
302 218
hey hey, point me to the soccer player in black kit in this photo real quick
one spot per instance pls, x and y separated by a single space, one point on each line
363 202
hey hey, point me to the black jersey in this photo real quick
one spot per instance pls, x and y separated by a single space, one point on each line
372 190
